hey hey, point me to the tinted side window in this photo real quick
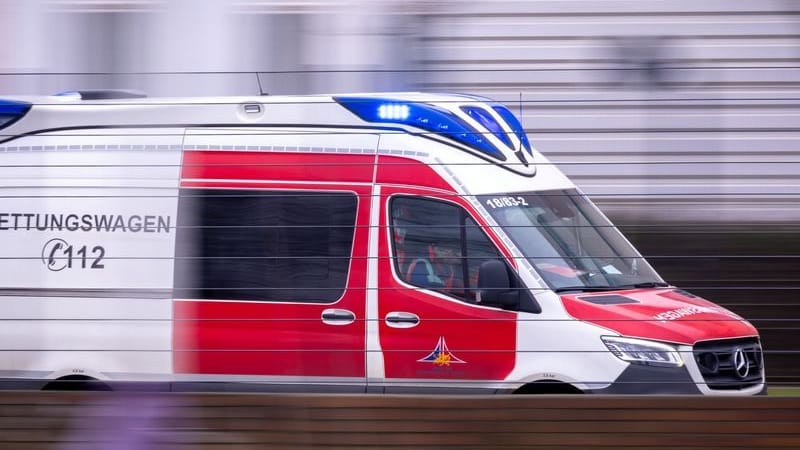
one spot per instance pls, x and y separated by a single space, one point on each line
263 245
438 246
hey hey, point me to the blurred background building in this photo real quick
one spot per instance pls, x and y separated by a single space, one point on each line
670 110
681 118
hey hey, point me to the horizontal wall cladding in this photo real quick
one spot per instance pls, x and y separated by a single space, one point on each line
641 103
614 7
528 27
99 420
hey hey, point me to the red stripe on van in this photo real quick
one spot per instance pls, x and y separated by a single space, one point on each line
396 170
235 165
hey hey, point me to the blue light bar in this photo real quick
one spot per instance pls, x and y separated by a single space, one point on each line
516 126
391 111
420 115
484 118
11 111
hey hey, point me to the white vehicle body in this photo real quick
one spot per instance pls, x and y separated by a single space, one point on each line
113 213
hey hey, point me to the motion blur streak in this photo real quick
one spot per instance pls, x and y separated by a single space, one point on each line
120 423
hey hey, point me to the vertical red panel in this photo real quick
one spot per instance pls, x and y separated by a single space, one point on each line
271 338
454 340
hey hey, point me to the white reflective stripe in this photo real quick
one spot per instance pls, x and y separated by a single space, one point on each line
375 367
277 380
278 182
418 383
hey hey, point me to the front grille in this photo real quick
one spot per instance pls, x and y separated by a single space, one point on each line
730 364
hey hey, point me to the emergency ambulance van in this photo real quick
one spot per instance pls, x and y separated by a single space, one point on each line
397 242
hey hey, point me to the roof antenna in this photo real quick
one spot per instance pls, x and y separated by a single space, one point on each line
260 89
519 152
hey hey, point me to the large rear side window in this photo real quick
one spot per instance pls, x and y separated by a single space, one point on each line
263 245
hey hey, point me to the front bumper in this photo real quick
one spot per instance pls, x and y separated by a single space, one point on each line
646 380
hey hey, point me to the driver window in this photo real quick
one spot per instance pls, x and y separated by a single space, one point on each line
479 249
438 246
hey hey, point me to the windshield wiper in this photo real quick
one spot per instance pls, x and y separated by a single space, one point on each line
646 285
585 289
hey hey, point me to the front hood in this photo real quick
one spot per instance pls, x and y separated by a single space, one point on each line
668 314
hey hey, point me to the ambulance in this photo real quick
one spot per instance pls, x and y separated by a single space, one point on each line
381 243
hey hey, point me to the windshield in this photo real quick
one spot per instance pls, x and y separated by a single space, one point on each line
571 244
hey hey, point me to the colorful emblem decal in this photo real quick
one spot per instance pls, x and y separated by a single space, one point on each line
441 355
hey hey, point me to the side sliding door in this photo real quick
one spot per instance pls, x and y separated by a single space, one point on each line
271 258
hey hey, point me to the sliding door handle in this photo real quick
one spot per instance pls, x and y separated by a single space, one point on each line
338 317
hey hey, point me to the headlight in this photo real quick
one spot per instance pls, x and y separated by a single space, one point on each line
640 351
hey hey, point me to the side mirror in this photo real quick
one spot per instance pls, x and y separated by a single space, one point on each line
494 285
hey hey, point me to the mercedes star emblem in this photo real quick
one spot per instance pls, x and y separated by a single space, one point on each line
740 363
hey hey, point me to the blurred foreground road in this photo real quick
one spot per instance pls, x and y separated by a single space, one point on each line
108 421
